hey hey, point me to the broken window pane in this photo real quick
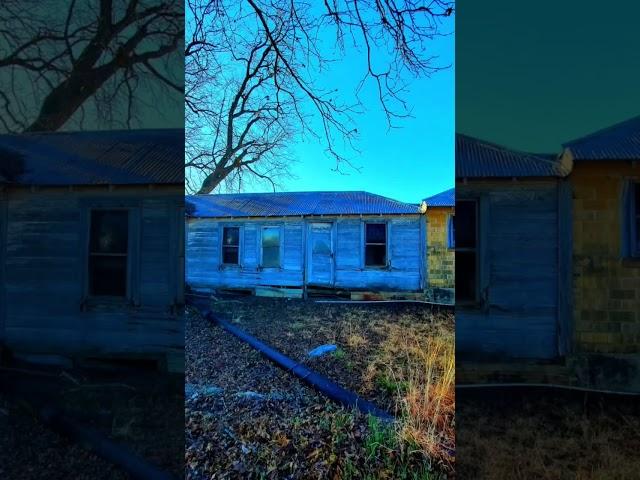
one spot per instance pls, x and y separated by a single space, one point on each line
271 247
231 236
109 231
108 241
375 250
231 245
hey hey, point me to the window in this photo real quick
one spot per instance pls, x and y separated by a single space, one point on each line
230 245
271 247
375 245
466 242
108 248
631 220
451 232
636 220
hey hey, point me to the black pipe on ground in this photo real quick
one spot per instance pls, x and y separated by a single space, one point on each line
332 390
542 386
102 446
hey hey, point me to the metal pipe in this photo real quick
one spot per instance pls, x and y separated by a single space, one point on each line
480 386
356 302
332 390
102 446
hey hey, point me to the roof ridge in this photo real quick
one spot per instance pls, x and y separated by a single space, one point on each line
282 193
601 131
534 156
504 147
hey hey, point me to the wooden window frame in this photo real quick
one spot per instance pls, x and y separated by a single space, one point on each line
280 246
387 259
127 254
239 247
132 206
476 250
634 213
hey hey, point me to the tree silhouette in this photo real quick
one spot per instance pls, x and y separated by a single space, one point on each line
253 72
57 62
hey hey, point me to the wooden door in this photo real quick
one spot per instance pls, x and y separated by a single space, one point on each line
320 254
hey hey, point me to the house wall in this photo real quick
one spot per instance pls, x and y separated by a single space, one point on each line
47 309
606 287
440 259
519 312
204 270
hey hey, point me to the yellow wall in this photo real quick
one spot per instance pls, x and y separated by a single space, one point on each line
606 288
440 259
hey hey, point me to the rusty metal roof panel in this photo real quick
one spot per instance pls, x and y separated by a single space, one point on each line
618 142
287 204
93 158
477 158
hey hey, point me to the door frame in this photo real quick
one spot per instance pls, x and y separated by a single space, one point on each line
309 253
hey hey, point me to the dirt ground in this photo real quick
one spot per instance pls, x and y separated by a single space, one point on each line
295 327
139 410
547 434
247 418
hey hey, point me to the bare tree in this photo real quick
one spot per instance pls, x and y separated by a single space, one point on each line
56 61
254 78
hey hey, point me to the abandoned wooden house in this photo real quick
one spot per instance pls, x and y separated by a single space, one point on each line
90 246
513 253
290 243
440 209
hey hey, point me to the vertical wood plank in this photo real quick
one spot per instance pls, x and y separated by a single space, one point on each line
565 270
484 259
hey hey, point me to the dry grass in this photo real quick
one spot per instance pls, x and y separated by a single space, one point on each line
548 435
420 365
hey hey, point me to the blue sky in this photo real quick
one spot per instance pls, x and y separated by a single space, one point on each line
407 163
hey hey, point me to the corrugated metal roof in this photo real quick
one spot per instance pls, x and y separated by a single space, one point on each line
442 199
477 158
618 142
295 204
91 158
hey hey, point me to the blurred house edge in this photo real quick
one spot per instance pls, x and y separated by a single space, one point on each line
556 286
50 183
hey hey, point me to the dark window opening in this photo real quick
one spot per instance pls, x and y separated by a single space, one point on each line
636 214
465 224
108 245
271 247
231 245
375 245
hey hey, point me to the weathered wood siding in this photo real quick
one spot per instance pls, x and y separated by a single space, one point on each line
404 249
45 274
518 315
205 271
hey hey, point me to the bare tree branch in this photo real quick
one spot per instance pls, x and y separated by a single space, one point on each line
55 61
254 79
